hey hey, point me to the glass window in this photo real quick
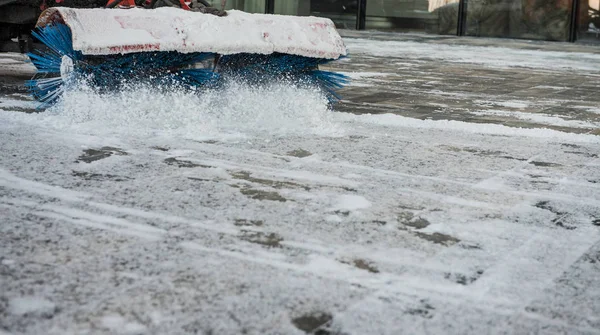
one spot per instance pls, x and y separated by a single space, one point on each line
530 19
292 7
433 16
588 25
341 12
250 6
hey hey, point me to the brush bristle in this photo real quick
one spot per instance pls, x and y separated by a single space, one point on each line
261 68
110 72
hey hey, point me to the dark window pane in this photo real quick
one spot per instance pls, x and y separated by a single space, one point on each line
292 7
250 6
588 27
334 6
342 12
433 16
531 19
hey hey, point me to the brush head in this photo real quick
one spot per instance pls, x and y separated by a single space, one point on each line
61 64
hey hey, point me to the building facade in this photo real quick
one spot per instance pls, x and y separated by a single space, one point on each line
553 20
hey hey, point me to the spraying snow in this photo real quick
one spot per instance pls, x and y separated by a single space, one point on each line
236 110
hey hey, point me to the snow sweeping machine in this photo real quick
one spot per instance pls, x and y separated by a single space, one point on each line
199 48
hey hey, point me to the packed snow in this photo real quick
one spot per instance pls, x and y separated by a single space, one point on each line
262 210
97 31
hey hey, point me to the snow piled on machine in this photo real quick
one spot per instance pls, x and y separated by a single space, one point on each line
107 32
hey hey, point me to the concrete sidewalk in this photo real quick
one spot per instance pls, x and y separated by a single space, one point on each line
258 210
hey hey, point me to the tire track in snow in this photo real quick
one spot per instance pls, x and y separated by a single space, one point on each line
9 180
86 219
102 225
250 155
119 225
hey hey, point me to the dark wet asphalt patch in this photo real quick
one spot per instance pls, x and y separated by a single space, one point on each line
544 164
425 310
364 265
92 155
300 153
585 154
483 153
462 279
184 164
438 238
98 176
469 246
199 179
245 222
244 175
262 195
270 240
561 217
410 220
24 110
313 323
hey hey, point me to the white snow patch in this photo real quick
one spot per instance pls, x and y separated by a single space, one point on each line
509 104
479 128
437 228
541 118
357 79
352 202
8 262
360 75
590 109
558 88
333 269
333 218
120 325
30 305
437 104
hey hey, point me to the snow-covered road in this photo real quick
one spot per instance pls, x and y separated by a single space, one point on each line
260 211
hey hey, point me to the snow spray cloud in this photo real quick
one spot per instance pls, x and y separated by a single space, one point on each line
236 109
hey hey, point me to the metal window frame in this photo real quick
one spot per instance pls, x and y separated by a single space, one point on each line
361 15
461 25
269 6
573 20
